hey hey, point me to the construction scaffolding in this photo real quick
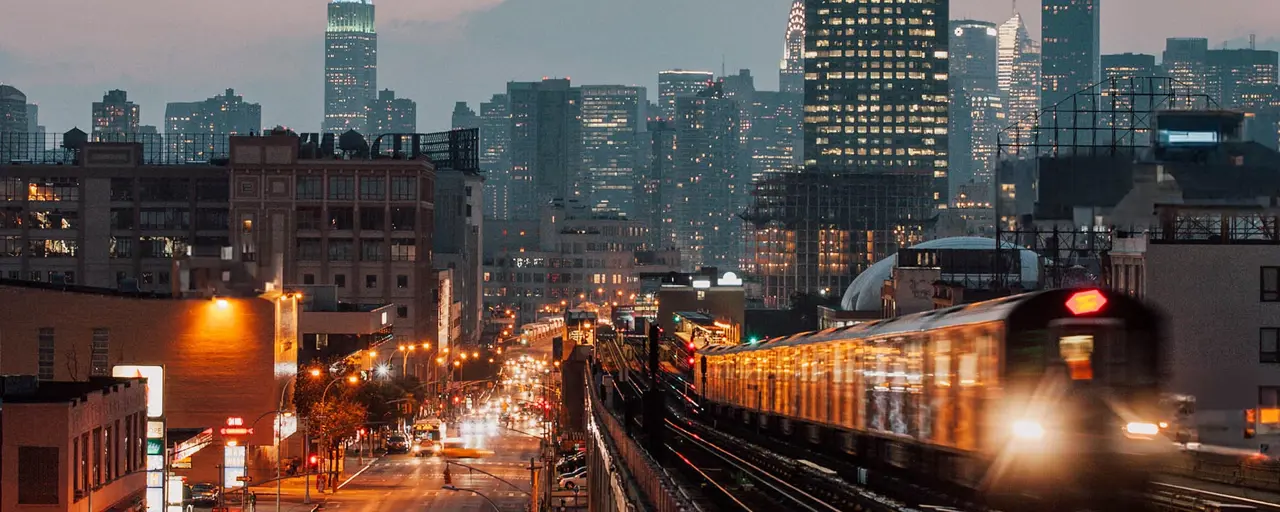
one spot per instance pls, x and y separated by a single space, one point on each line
813 231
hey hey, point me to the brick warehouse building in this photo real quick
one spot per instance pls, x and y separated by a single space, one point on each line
223 357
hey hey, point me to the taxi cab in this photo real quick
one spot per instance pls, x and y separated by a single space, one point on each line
458 449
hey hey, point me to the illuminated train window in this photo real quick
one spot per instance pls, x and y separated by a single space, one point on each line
1077 352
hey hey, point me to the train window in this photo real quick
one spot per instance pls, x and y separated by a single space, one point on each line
1077 352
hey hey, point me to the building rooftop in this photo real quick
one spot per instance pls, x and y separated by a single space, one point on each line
26 389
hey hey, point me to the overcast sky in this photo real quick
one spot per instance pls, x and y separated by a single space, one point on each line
65 53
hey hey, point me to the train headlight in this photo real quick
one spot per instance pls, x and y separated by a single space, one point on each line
1027 429
1137 428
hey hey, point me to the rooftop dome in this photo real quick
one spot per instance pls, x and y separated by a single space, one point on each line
863 293
11 93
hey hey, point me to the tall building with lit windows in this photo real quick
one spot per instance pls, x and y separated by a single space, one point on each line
677 83
350 65
389 114
1018 75
611 115
115 114
1186 60
495 161
791 77
876 92
977 109
1234 72
1129 65
1072 56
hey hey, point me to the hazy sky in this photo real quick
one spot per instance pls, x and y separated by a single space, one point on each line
65 53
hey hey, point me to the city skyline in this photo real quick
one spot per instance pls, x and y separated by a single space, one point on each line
279 59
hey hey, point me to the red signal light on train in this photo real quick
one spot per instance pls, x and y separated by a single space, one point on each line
1083 303
692 346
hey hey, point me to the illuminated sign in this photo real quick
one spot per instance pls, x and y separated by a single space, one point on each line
233 465
155 447
1083 303
730 279
187 448
155 385
155 459
235 431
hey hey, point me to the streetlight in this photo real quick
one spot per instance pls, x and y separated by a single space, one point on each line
475 492
305 444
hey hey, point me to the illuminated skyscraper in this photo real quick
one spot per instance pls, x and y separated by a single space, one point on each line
791 77
546 145
677 83
876 94
1018 75
201 130
611 116
705 188
1072 56
115 114
350 65
977 110
1129 65
1186 60
389 114
1233 72
495 162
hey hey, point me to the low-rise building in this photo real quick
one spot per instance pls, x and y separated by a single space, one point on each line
72 446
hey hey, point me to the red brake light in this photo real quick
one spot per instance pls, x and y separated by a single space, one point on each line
691 346
1082 303
691 361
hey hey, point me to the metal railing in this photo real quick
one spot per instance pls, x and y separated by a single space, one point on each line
660 491
1253 473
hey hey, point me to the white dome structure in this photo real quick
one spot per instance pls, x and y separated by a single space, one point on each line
863 293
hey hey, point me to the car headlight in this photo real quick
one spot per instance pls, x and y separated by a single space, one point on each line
1138 428
417 449
1027 429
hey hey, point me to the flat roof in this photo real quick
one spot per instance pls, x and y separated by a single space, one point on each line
55 392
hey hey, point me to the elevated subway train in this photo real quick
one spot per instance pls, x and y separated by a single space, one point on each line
1051 396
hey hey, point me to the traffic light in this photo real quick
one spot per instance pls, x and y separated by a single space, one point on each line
1250 423
314 462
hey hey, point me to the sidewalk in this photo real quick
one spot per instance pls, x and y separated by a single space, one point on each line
293 489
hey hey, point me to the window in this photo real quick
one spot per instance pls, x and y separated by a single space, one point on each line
10 246
97 457
342 188
163 276
402 311
371 281
121 189
402 281
148 278
212 190
340 250
45 353
122 218
212 219
167 218
53 189
162 246
108 455
310 188
403 249
373 189
309 249
308 279
164 189
1270 284
37 475
1269 345
56 219
69 276
372 250
340 280
373 219
309 217
403 219
11 218
341 218
98 352
12 189
41 248
404 188
75 466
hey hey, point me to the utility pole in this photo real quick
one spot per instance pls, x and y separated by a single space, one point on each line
653 412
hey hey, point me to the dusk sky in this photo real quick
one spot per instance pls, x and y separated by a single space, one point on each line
65 53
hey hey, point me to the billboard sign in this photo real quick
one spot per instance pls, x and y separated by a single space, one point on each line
155 385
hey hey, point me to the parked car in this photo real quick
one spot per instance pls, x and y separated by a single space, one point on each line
574 479
205 494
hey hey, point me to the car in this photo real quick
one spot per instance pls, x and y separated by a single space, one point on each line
570 466
397 444
205 494
582 471
426 448
457 449
576 480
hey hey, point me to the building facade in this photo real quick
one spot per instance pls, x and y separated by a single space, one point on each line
1018 75
1234 74
546 145
350 65
611 115
1185 59
1129 65
115 114
459 243
1070 31
389 114
364 225
199 130
14 129
706 188
977 111
70 446
791 70
495 159
675 83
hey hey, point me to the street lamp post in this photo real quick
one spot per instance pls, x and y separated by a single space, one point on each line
306 442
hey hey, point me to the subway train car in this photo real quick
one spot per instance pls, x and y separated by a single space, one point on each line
1050 398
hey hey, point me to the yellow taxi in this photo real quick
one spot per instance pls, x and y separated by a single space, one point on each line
458 449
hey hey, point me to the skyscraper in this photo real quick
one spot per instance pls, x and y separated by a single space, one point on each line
389 114
776 135
860 116
13 124
464 117
115 114
1233 72
33 118
1129 65
791 73
1018 76
611 116
678 82
202 129
1072 56
546 145
705 190
350 65
495 161
657 152
977 111
1186 60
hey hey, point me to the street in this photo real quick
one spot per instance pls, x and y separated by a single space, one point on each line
408 483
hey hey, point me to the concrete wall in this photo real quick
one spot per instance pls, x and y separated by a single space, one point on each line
1211 296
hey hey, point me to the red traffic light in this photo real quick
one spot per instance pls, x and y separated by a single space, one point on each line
315 460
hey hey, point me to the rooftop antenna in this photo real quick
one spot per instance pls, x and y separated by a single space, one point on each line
722 66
